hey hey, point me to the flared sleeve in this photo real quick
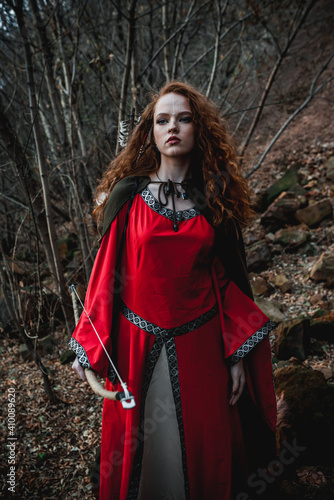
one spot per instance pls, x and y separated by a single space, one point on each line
245 330
244 324
99 302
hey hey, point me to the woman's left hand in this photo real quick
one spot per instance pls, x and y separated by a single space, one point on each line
238 381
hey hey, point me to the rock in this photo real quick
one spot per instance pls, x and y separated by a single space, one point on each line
311 184
25 353
316 298
330 168
301 193
270 237
315 213
326 223
293 237
67 246
282 210
258 255
67 357
322 328
310 249
293 339
260 286
45 345
287 362
5 319
270 308
323 269
253 236
320 312
289 179
326 370
259 202
316 350
283 283
305 404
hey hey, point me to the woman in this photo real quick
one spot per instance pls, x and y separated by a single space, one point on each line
188 334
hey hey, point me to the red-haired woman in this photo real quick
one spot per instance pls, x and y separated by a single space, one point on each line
188 334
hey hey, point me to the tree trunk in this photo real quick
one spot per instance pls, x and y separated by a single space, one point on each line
34 114
53 93
127 70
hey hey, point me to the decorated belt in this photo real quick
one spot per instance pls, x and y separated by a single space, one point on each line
166 333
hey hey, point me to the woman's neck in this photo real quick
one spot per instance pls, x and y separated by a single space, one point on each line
176 170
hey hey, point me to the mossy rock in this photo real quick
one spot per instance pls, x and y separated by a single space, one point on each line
289 179
305 412
293 339
67 357
322 327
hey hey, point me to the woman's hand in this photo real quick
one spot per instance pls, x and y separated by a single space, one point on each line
78 368
238 381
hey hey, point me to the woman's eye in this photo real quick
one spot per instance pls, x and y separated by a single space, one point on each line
161 121
186 119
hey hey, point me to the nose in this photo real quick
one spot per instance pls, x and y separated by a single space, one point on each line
172 125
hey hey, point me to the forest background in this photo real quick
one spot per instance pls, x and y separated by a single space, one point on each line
70 72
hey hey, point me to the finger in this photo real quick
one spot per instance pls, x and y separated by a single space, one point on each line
75 364
235 384
236 395
235 388
79 369
81 373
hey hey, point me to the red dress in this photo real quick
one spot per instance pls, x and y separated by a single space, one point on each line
181 318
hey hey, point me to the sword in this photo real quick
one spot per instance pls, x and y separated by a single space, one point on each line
126 398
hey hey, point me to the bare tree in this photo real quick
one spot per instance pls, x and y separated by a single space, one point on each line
18 9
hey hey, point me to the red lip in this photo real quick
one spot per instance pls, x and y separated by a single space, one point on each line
174 139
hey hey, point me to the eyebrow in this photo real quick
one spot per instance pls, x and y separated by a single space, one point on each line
180 113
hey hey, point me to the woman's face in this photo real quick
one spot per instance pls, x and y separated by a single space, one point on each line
173 126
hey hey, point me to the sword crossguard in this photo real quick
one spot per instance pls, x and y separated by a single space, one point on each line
126 398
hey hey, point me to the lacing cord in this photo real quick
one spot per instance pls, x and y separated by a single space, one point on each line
169 188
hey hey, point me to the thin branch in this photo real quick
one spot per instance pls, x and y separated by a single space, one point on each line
12 200
168 40
178 44
213 46
273 75
310 96
216 52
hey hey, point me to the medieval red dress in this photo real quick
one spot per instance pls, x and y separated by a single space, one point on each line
182 322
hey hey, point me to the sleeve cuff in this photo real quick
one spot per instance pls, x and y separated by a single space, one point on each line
252 341
80 353
84 361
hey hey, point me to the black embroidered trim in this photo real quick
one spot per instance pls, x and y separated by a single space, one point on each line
180 215
80 352
252 341
111 374
137 464
149 327
84 361
174 377
162 336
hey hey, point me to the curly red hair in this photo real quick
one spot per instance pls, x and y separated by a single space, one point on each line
214 161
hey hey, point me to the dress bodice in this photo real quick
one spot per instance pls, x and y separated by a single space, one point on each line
166 274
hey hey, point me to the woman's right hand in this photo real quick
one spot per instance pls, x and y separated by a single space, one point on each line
78 368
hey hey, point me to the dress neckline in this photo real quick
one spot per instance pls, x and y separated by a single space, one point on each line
155 205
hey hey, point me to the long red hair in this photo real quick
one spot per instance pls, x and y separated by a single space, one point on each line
214 160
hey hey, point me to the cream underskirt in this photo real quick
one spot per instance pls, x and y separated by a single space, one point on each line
161 473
